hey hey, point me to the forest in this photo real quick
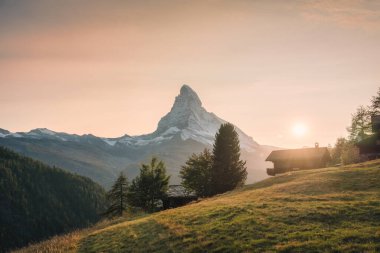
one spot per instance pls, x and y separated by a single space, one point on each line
38 201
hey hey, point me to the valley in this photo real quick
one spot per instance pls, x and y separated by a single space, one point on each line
188 128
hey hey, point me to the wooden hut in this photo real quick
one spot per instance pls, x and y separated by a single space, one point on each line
177 195
293 159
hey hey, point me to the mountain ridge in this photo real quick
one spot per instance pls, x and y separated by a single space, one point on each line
187 117
187 128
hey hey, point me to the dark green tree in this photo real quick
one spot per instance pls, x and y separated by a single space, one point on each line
150 186
196 173
360 124
117 197
228 171
38 201
375 104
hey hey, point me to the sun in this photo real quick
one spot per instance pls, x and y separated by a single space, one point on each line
299 129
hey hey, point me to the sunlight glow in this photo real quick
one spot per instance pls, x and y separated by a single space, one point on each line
299 129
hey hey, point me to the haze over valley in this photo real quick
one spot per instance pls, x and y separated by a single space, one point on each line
189 126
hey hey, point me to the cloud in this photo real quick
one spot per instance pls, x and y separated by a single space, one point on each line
354 14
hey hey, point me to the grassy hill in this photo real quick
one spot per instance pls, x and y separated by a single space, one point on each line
325 210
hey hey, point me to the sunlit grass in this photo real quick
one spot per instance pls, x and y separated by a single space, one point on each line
69 242
334 209
324 210
57 244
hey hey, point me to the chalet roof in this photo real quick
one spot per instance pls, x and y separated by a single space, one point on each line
298 154
176 191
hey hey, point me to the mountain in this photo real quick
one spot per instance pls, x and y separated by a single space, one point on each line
186 129
321 210
189 120
38 201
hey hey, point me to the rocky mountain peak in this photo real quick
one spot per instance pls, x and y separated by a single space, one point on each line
187 98
190 120
187 106
42 131
187 119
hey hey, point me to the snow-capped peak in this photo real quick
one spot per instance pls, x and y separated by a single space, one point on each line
187 107
194 122
187 98
187 119
42 131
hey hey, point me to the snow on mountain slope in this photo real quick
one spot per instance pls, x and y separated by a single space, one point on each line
4 132
188 128
187 119
190 120
194 122
42 134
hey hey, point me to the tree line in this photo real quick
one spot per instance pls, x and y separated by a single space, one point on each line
345 150
207 174
145 191
222 170
38 201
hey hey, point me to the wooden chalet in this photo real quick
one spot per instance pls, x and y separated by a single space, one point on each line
369 147
298 159
177 195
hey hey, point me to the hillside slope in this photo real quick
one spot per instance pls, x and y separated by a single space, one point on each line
333 209
38 201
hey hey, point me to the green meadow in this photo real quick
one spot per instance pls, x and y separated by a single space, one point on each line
324 210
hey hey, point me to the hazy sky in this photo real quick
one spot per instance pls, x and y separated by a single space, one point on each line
114 67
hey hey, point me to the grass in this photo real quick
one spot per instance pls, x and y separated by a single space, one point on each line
57 244
324 210
70 242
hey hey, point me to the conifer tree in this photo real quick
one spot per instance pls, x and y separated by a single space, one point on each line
196 174
150 186
117 197
228 171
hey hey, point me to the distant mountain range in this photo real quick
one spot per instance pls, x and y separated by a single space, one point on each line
186 129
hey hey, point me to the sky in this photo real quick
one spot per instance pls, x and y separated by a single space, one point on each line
114 67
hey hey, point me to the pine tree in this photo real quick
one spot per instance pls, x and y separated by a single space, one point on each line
117 197
150 186
228 171
196 173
